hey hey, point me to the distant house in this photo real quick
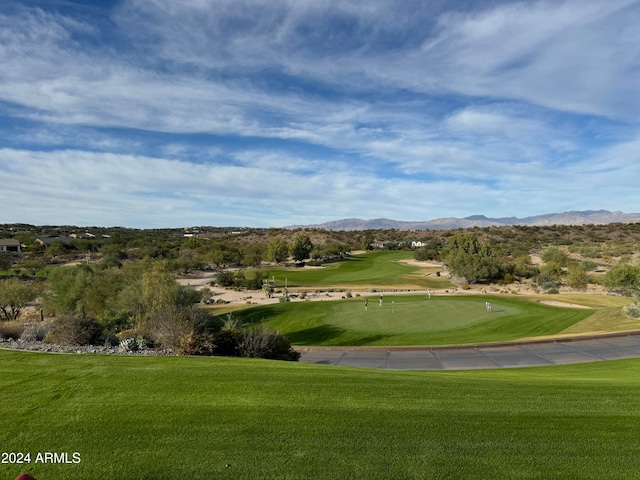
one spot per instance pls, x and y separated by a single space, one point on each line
390 244
418 244
84 236
46 241
9 245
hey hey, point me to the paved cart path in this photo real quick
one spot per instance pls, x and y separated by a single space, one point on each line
506 355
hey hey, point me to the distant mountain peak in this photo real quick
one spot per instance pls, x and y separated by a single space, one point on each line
587 217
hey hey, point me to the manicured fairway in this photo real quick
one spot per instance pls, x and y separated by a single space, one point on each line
179 417
375 269
414 320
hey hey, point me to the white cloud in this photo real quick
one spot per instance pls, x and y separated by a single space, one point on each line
432 106
567 55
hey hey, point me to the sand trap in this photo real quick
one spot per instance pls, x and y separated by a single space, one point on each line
553 303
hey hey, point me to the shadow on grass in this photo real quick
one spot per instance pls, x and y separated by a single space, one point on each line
361 342
315 335
255 315
329 335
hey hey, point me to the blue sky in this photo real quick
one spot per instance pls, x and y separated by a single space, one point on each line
169 113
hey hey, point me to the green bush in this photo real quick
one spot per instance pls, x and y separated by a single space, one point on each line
225 278
256 281
75 329
227 343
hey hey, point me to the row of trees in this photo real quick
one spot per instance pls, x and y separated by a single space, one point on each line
301 248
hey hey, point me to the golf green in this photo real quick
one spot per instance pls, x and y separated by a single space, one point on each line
413 320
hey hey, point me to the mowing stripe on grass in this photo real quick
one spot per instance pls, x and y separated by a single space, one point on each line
174 417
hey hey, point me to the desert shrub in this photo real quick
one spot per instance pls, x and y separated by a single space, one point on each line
181 327
35 332
11 330
227 343
129 345
429 252
130 333
206 295
632 310
196 342
225 278
256 281
74 329
227 340
111 340
263 343
465 287
554 254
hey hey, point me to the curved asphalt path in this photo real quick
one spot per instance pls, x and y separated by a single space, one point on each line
504 355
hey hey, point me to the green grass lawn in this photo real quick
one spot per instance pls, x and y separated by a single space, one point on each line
370 270
413 320
164 418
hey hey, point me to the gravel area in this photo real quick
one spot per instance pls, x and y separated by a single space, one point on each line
76 349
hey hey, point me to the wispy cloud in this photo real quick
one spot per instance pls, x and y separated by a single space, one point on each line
246 112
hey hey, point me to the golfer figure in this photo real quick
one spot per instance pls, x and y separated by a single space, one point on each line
380 300
366 304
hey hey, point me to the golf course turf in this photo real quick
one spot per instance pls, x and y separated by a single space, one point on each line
413 320
372 269
166 418
202 418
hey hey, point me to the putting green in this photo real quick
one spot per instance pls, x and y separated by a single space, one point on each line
414 320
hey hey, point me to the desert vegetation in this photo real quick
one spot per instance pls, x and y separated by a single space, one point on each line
118 285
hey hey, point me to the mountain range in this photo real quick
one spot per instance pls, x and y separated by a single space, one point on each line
587 217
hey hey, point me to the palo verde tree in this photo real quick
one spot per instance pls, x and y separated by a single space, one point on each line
15 294
301 248
624 278
278 250
467 257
